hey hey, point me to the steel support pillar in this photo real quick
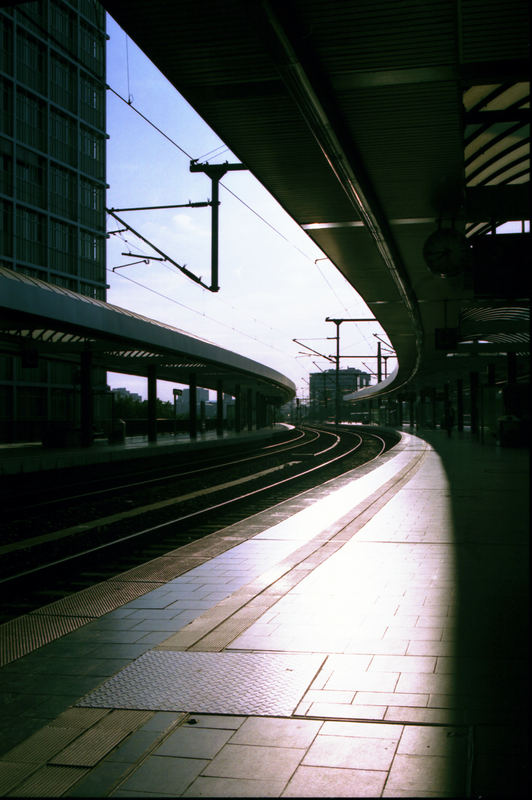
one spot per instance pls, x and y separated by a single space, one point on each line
473 386
250 409
238 409
511 360
219 409
434 401
192 409
152 403
460 404
86 399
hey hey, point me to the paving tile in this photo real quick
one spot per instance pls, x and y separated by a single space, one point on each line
351 752
433 741
193 742
415 773
135 745
162 775
234 787
391 699
346 711
433 716
277 732
264 763
49 781
364 730
424 682
161 721
430 648
387 647
329 696
382 663
129 651
330 782
12 773
99 781
362 681
224 721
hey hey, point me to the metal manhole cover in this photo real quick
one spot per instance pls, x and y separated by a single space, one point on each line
268 684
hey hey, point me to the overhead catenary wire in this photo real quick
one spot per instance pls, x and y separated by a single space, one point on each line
232 307
195 311
240 200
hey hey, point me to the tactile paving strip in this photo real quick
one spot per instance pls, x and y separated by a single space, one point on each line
266 684
24 634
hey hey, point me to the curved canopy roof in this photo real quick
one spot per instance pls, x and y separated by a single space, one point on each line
373 123
61 324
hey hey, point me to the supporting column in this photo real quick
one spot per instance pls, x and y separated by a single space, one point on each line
488 407
460 404
152 403
219 409
86 405
434 401
511 360
250 409
192 410
411 410
473 386
238 408
259 411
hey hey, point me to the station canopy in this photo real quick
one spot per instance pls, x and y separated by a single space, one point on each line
41 319
377 124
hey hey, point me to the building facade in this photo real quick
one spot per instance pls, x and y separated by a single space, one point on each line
52 184
322 389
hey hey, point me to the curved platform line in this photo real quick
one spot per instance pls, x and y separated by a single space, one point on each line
218 626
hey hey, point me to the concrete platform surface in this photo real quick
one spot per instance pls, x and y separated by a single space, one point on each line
373 643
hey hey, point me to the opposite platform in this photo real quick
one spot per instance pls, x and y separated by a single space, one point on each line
34 457
370 644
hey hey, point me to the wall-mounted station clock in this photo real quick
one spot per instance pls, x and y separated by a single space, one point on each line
446 252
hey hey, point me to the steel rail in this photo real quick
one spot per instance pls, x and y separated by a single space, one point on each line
283 446
207 510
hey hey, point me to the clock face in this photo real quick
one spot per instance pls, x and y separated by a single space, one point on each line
446 252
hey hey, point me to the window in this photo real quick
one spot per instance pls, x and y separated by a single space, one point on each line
6 168
6 107
91 102
92 256
61 249
30 116
92 153
62 81
30 237
62 191
6 229
30 178
91 47
61 24
62 138
30 62
6 45
91 204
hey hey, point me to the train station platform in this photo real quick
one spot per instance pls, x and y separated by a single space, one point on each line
35 457
365 639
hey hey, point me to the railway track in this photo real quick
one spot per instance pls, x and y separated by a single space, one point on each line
69 534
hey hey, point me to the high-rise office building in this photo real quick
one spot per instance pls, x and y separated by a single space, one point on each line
322 388
52 182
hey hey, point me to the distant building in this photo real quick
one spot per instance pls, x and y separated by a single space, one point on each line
322 389
52 185
125 393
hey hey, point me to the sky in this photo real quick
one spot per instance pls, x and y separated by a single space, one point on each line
275 284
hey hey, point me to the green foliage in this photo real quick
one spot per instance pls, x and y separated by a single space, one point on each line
131 408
